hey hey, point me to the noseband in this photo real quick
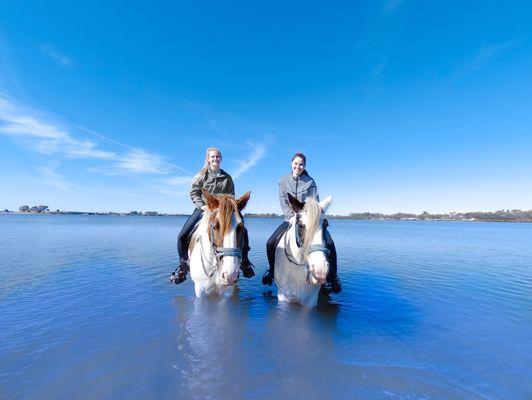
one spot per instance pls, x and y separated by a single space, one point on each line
219 253
310 249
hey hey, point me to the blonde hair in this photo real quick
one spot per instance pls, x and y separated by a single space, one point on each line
202 171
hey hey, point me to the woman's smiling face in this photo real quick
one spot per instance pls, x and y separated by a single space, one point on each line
215 159
298 166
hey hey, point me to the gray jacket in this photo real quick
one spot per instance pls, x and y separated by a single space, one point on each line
301 188
221 184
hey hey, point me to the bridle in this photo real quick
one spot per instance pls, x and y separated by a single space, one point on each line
218 252
303 250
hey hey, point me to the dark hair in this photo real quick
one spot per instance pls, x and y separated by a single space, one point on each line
300 155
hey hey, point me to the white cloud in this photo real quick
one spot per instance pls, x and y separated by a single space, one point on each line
257 153
43 136
50 52
50 177
52 138
141 162
179 181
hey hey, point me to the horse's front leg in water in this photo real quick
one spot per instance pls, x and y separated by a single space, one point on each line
197 289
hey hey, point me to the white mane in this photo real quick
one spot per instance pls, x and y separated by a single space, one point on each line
313 211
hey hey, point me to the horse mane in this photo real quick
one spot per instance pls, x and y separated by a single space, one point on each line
226 207
313 211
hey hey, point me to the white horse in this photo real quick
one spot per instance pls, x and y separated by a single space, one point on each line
215 249
301 264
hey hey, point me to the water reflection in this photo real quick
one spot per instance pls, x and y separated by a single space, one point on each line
429 310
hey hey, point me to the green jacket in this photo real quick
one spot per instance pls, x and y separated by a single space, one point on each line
220 184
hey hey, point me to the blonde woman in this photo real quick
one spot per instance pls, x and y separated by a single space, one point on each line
215 181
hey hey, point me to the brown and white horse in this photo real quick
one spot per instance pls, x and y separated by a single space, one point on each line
215 250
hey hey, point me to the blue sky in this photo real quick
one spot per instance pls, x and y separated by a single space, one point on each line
399 105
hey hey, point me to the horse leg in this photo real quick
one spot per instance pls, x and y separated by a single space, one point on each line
197 290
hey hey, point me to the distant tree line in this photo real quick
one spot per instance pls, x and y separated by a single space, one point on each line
34 209
495 216
500 216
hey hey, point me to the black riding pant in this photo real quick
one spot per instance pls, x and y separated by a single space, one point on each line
274 239
186 231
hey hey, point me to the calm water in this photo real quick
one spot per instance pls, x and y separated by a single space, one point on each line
430 310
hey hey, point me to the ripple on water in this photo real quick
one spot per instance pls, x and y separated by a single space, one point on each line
429 310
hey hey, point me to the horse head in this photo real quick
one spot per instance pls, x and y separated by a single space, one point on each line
308 230
226 230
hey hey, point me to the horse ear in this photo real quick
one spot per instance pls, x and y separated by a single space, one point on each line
325 203
212 201
243 200
295 204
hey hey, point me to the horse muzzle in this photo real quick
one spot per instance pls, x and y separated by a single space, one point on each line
317 276
228 279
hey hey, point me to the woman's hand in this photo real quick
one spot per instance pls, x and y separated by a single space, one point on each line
204 208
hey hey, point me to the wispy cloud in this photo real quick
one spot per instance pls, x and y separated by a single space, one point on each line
179 181
140 161
258 152
49 176
215 127
136 159
485 55
49 51
177 186
46 136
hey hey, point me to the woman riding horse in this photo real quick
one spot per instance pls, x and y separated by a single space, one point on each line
301 186
214 180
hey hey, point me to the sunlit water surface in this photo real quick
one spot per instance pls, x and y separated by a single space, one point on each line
430 310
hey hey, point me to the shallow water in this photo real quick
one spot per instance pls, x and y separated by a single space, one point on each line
430 310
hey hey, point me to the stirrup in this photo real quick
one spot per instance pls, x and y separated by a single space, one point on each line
180 273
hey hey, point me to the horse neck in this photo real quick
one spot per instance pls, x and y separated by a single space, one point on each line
291 242
203 226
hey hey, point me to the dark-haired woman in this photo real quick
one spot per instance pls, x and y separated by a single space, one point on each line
300 185
215 181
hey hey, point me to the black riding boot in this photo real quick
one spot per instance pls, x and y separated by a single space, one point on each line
271 245
246 266
333 282
267 278
180 273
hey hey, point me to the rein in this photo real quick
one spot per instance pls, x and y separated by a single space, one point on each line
299 244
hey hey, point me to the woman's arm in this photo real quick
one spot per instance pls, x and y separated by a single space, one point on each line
313 191
283 199
195 193
231 187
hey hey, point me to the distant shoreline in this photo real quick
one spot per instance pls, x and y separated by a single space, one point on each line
497 216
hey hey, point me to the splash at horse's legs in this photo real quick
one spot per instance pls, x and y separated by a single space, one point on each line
281 297
197 289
